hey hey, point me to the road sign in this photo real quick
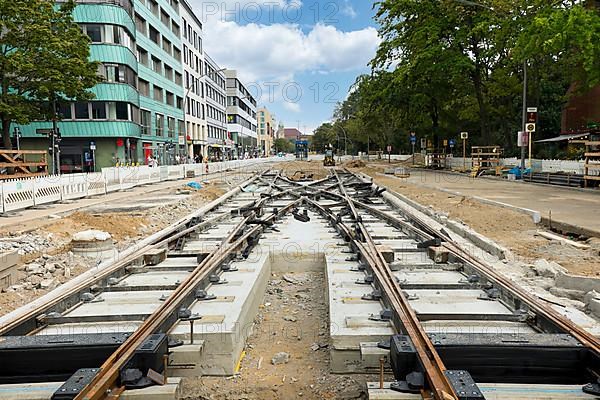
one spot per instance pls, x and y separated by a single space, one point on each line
445 142
423 143
464 135
532 115
92 146
530 127
452 142
389 149
532 109
413 134
44 131
523 139
413 139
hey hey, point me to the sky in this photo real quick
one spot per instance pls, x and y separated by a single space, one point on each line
298 57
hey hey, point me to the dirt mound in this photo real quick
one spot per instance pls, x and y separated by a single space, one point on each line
355 164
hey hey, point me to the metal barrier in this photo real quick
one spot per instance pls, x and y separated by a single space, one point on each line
96 184
73 186
47 189
18 194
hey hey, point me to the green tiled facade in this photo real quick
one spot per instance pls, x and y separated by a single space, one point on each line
113 120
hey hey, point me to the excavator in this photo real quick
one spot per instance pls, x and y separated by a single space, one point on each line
329 160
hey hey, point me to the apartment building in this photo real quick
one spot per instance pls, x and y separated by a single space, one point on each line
160 79
219 143
241 116
265 131
193 73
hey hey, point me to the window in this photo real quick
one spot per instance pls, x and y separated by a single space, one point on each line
178 78
153 6
177 53
179 102
175 28
166 44
175 5
98 110
145 121
140 24
142 56
154 35
82 111
159 124
156 65
122 110
181 127
184 28
164 17
94 32
170 98
144 87
64 111
158 93
168 72
185 54
171 126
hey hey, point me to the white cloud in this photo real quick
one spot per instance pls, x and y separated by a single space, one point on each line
348 10
293 107
266 52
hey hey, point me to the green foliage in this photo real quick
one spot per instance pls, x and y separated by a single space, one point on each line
44 56
283 145
446 66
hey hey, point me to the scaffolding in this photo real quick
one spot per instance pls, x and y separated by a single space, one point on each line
486 158
591 174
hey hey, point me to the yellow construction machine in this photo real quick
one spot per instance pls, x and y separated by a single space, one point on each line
329 160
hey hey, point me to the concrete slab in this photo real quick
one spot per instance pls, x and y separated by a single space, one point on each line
156 278
228 320
494 392
121 303
96 327
458 302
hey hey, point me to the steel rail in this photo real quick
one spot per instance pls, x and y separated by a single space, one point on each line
535 304
433 366
108 375
11 325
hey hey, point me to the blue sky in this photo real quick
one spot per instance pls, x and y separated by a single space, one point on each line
299 57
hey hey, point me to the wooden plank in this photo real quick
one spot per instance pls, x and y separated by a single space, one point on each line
594 154
22 152
592 177
552 236
30 175
592 166
22 164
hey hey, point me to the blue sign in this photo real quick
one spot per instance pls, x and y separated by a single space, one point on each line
413 139
452 142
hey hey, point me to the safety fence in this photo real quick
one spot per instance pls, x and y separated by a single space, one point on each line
18 194
553 166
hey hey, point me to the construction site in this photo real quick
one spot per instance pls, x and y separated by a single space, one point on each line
279 279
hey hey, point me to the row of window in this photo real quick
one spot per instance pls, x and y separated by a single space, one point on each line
217 133
158 66
159 125
234 83
153 6
236 101
159 94
194 108
99 110
118 73
215 95
191 59
215 113
165 43
238 119
192 36
212 73
108 33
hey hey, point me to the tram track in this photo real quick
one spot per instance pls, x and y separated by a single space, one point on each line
355 208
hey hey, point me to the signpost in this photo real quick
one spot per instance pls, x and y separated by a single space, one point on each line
464 136
413 141
93 149
530 128
389 151
18 136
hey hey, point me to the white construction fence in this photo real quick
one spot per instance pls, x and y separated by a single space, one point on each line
18 194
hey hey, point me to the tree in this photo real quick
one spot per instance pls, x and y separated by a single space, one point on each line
44 58
323 136
283 145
